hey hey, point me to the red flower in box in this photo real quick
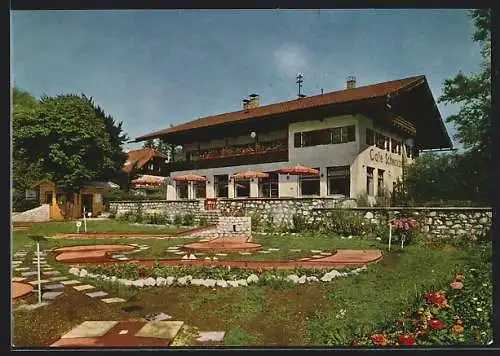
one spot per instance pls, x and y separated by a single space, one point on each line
436 324
436 298
406 340
379 339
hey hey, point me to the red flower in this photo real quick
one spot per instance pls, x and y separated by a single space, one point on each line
379 339
436 298
457 329
406 340
459 277
436 324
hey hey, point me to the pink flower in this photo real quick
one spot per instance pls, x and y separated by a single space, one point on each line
456 285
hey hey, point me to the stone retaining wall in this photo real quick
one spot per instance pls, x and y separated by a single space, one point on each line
38 214
437 221
443 222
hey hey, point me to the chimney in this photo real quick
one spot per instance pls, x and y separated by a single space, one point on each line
254 101
351 82
246 102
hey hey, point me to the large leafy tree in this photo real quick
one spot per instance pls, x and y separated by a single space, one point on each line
68 139
473 120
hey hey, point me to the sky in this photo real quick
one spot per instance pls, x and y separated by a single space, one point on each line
153 68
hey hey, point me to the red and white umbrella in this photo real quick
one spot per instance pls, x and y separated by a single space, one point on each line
190 178
249 175
148 180
299 171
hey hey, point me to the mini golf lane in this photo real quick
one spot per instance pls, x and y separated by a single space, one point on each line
99 254
149 234
20 289
89 253
224 244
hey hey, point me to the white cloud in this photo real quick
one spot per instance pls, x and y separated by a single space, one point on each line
291 59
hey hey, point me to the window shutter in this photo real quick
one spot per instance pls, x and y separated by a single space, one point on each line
297 139
351 133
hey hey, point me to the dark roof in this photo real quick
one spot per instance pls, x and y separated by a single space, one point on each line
342 96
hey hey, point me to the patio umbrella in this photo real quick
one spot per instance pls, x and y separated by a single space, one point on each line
148 180
299 170
249 175
190 178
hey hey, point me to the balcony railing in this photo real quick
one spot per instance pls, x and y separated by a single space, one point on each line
276 155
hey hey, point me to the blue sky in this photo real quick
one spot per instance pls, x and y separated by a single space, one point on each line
153 68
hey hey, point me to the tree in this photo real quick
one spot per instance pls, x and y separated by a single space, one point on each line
473 121
67 139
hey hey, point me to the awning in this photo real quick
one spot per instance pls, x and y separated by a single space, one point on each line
249 175
190 178
299 170
148 180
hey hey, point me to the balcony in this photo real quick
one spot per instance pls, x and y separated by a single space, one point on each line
232 159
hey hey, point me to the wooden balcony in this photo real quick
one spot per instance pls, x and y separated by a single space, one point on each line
228 161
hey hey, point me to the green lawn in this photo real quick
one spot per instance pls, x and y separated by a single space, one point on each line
266 315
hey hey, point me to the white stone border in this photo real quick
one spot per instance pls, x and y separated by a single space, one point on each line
209 282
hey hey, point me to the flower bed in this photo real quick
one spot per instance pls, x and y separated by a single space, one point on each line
460 313
139 276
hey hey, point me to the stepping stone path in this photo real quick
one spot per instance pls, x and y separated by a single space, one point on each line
325 253
180 253
316 251
51 295
158 317
210 336
97 294
52 273
221 254
83 287
172 248
62 278
28 274
295 250
53 286
264 251
273 249
113 300
35 283
245 253
305 259
317 256
22 269
70 282
18 279
123 258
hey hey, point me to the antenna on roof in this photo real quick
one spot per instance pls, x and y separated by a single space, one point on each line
300 80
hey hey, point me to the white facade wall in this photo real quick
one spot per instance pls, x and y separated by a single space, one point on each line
355 154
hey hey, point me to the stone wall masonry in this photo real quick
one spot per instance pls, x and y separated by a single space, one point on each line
169 207
229 226
445 222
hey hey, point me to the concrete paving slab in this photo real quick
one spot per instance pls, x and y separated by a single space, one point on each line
83 287
61 278
160 329
97 294
35 283
53 286
51 295
70 282
90 329
18 279
211 336
113 300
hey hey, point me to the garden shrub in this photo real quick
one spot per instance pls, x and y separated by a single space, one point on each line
188 219
203 221
178 220
20 205
299 223
345 223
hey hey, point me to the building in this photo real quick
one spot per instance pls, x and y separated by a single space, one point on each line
358 138
88 199
146 161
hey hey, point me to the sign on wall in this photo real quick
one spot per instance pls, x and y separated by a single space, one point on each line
385 157
98 198
31 194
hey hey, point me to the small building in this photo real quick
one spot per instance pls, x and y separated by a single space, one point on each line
359 139
89 198
146 160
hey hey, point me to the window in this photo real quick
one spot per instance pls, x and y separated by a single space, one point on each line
408 151
297 139
395 146
200 189
242 188
369 180
182 190
309 185
338 180
381 141
220 186
268 187
370 137
325 136
380 182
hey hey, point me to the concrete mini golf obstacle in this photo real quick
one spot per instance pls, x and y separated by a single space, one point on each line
20 289
224 244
